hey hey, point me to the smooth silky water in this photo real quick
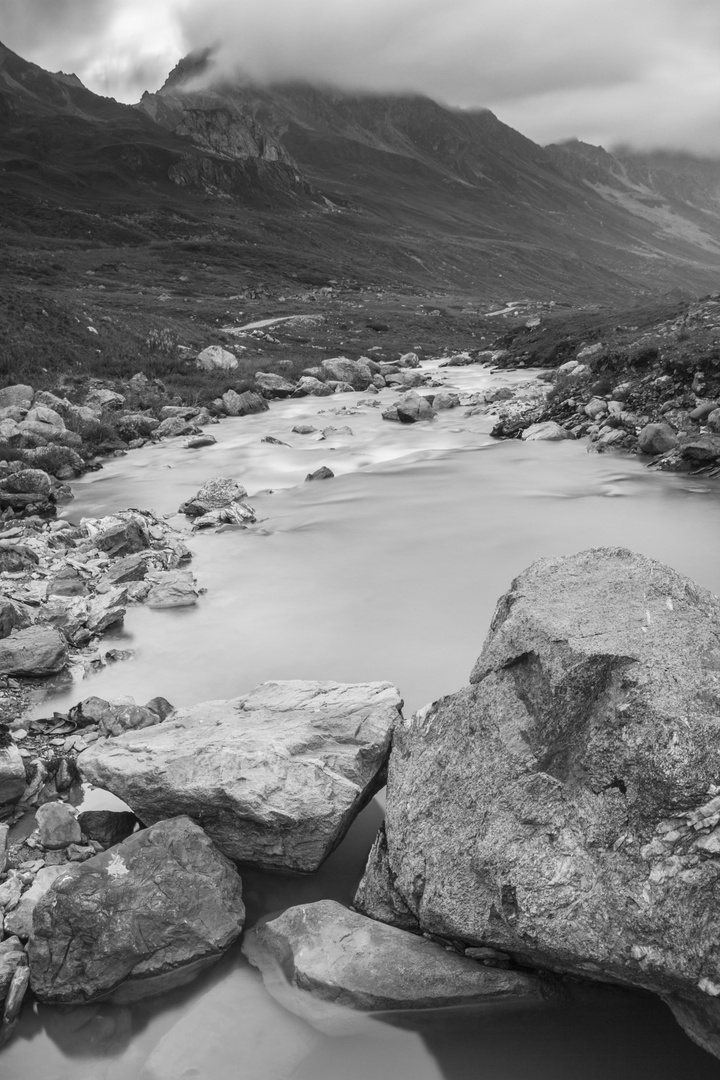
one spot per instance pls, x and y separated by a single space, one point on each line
391 570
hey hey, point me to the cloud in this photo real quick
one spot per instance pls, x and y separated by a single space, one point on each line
645 72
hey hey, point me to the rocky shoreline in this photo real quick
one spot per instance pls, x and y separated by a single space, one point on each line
273 780
649 395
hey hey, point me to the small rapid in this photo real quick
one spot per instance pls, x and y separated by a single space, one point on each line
390 570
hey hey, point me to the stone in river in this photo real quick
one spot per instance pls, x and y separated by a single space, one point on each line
171 589
273 386
275 777
656 439
412 407
235 1030
37 650
215 493
547 431
570 822
323 473
138 920
343 957
198 442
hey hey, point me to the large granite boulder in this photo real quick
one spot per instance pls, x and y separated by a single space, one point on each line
565 806
355 373
273 386
275 777
345 958
140 919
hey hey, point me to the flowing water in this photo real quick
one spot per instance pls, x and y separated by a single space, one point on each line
391 570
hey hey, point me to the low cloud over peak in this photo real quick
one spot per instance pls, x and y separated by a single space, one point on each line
644 72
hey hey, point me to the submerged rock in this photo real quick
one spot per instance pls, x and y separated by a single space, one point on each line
343 957
275 777
140 919
204 1044
574 822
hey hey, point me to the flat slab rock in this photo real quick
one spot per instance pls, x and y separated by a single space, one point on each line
275 777
138 920
575 822
345 958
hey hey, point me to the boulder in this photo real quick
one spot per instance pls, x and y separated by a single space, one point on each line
57 825
114 717
174 426
119 538
12 775
43 415
547 431
18 395
37 650
172 589
596 408
445 399
273 386
215 358
13 616
140 919
199 442
29 482
713 421
343 957
276 776
700 449
102 398
703 410
129 568
355 373
409 360
67 582
136 425
405 380
215 493
411 407
308 385
656 439
574 821
243 404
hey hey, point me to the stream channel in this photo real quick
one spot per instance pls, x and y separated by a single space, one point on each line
391 570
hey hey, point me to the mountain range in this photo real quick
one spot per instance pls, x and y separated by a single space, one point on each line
391 188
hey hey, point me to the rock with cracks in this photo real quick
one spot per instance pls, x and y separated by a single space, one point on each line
343 957
275 777
138 920
575 821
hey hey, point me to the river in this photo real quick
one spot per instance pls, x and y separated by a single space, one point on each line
391 570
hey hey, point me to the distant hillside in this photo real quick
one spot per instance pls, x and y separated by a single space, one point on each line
493 205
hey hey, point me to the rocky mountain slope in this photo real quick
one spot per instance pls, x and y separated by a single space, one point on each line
495 204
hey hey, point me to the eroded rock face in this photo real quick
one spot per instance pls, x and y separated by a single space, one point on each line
348 959
144 917
564 807
275 777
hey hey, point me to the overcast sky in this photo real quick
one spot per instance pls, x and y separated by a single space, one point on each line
642 72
